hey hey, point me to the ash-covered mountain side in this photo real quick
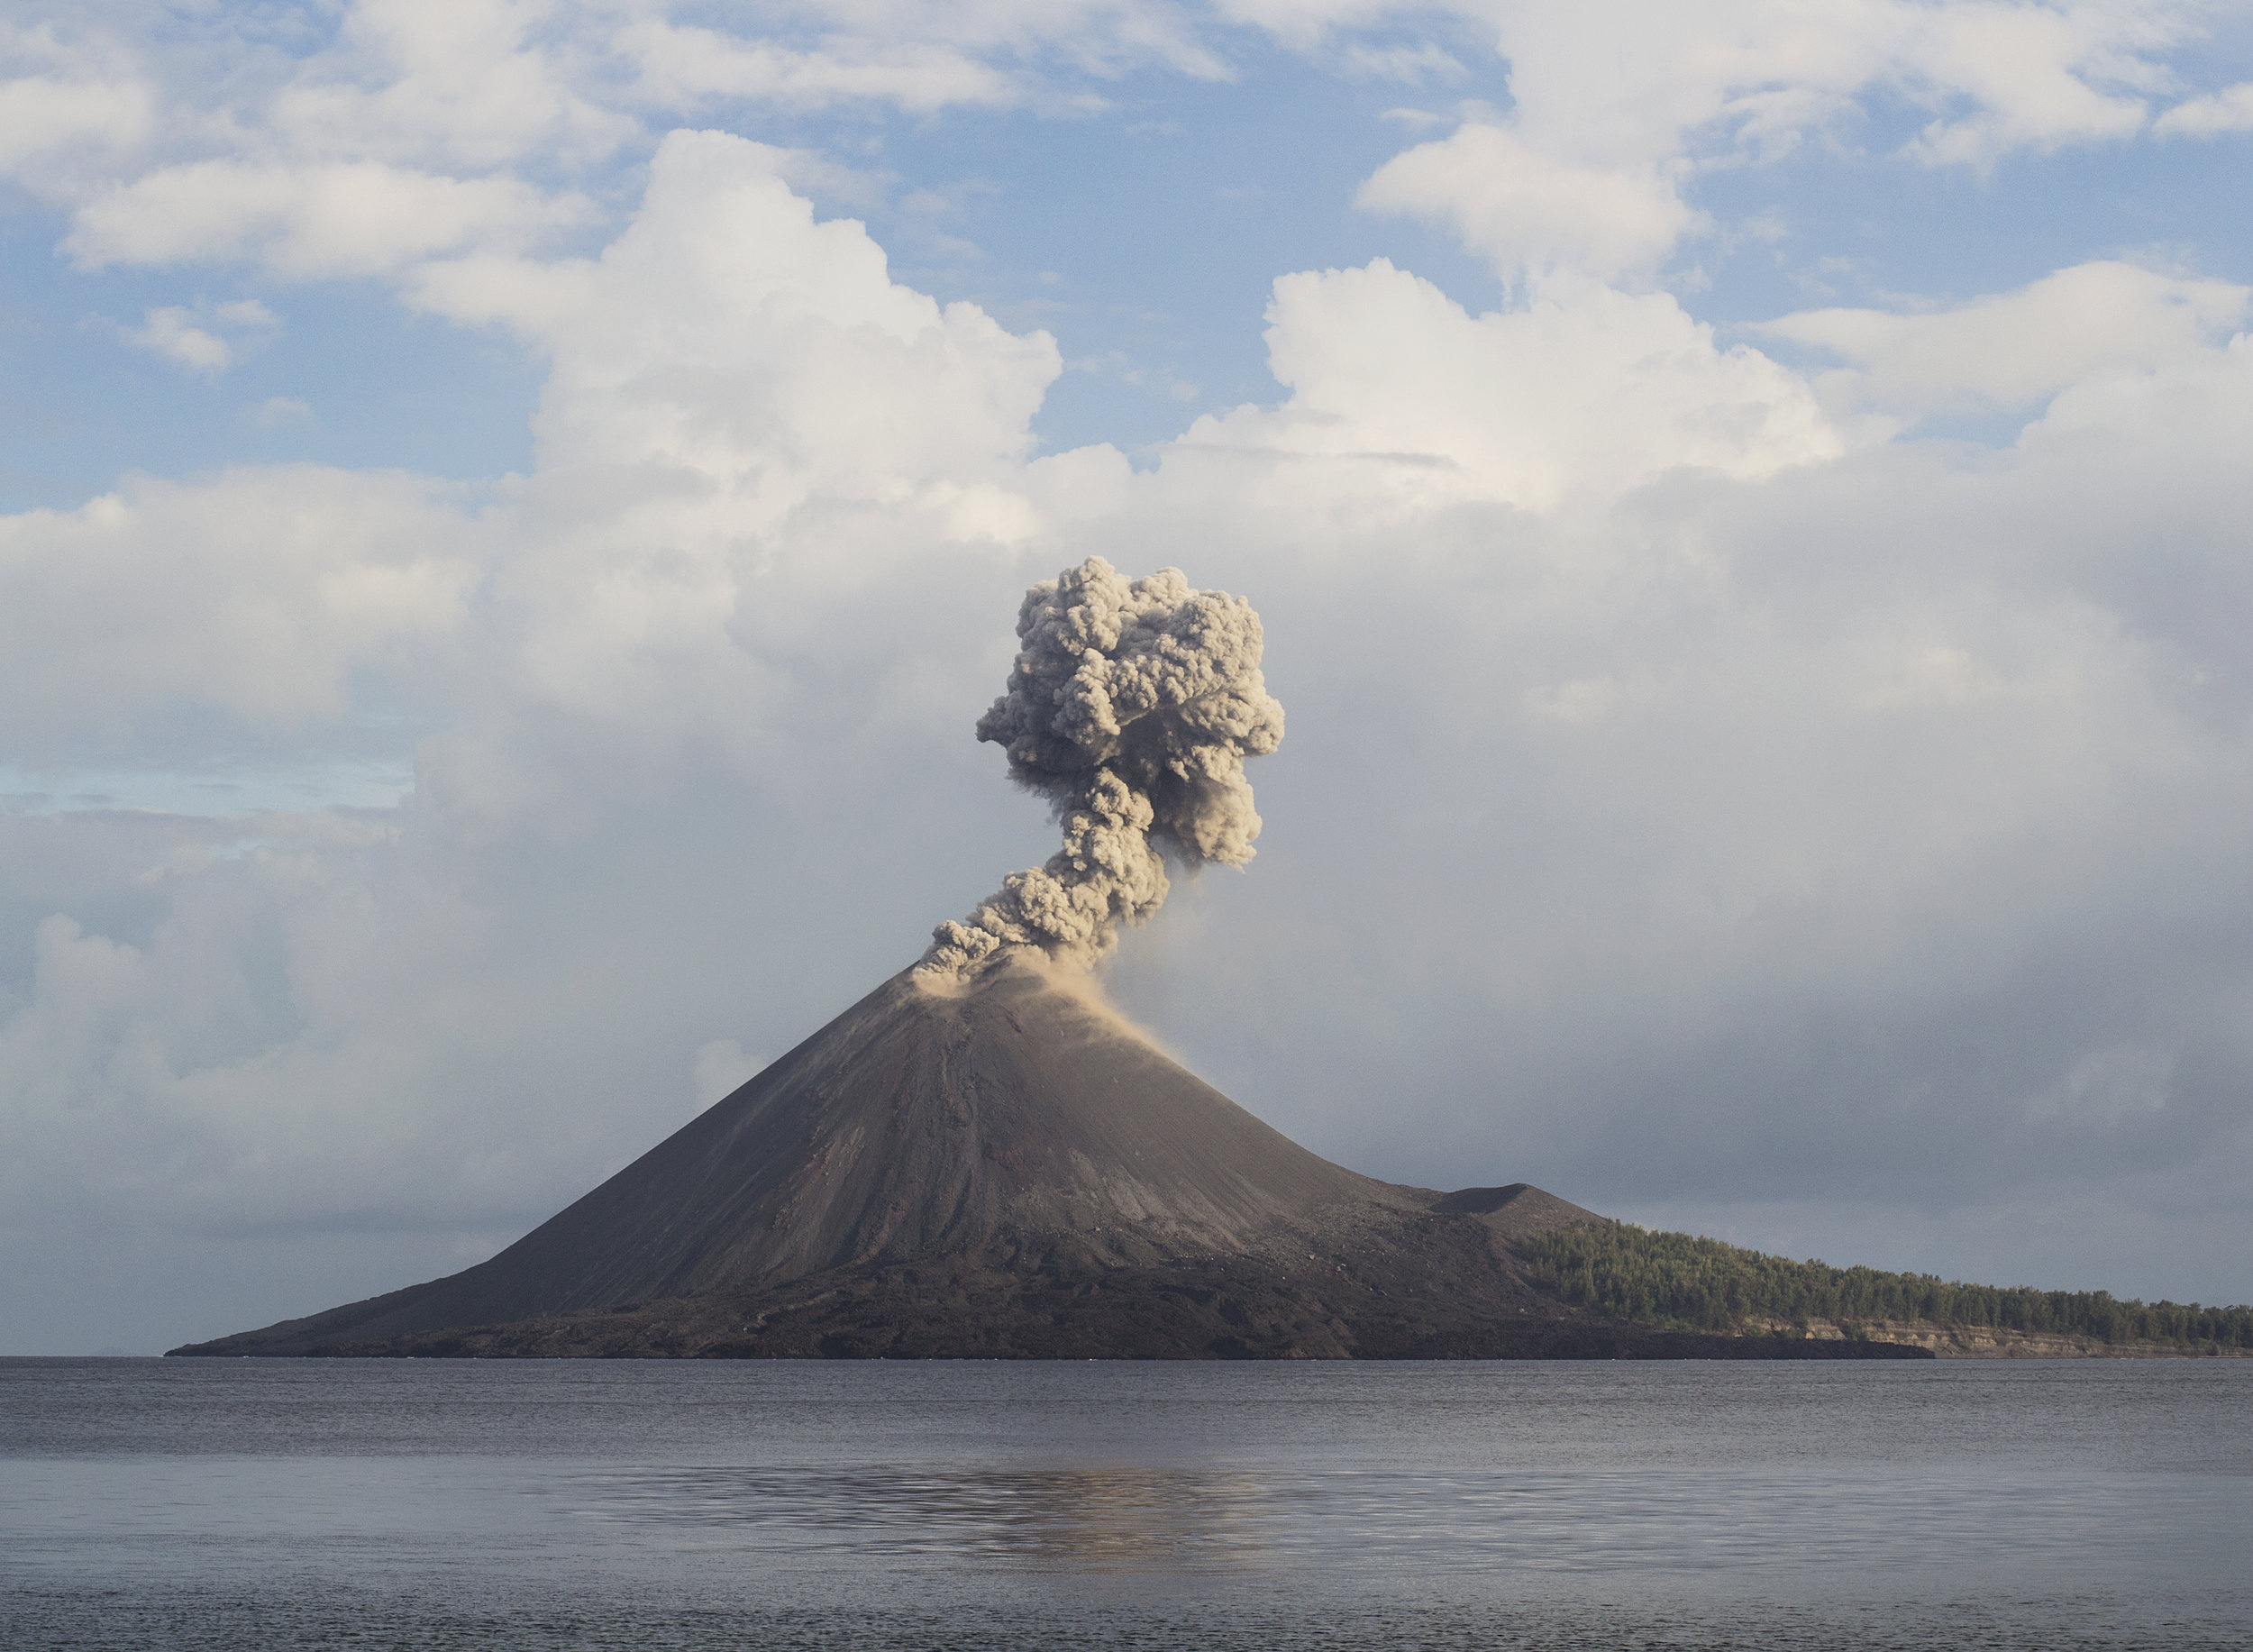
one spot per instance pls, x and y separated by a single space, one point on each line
1000 1166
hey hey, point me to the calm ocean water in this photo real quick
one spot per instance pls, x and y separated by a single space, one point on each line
250 1503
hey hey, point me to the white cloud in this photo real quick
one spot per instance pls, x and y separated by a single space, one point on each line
2037 77
2014 348
2196 404
199 338
341 219
41 115
1631 85
2229 110
1584 393
683 66
258 592
728 335
1634 83
168 332
66 104
740 404
470 84
1531 214
1615 107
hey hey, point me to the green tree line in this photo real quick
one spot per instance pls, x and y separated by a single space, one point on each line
1681 1281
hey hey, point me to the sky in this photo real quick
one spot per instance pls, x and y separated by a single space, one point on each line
510 511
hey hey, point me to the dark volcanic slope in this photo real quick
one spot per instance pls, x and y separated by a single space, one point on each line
1005 1170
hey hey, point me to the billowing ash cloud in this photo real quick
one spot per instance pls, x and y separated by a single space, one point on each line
1132 704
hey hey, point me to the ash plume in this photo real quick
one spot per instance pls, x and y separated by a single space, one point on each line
1132 706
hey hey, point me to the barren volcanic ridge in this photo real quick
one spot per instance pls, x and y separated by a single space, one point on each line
981 1159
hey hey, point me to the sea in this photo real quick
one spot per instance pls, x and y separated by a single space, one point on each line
239 1504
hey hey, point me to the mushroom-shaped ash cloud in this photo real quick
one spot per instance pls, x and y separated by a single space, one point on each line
1132 704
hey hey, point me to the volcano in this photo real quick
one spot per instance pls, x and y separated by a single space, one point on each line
1001 1167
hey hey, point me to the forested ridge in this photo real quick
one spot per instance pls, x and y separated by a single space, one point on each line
1679 1280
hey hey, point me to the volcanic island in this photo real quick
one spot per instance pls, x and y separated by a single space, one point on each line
1007 1171
982 1159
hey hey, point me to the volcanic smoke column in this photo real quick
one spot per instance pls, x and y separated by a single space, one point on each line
1132 705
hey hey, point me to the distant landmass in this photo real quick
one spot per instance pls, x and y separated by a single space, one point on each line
1002 1167
1676 1278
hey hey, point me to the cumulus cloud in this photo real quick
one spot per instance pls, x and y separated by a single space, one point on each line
41 115
2012 349
1398 392
204 338
2214 116
777 331
1530 214
1131 707
475 85
741 402
168 332
1617 108
1631 81
259 592
2037 77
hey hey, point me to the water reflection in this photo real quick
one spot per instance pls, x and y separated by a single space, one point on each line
1083 1518
1221 1520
